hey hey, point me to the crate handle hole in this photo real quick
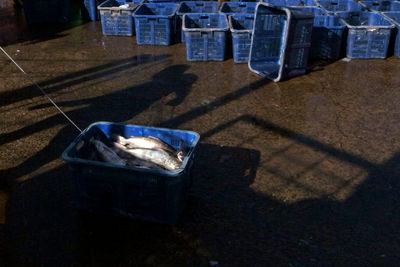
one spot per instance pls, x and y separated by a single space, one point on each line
334 4
375 4
151 19
199 4
128 1
242 5
204 17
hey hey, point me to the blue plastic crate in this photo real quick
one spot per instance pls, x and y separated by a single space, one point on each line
281 42
148 194
291 2
117 20
39 11
89 9
395 19
241 26
230 8
155 23
205 36
382 6
339 5
328 32
368 36
193 7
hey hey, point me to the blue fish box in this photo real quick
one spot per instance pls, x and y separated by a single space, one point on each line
368 36
194 7
117 20
327 35
155 23
241 26
281 42
205 36
154 195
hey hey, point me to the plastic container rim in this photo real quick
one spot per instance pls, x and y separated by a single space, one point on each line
204 29
156 16
183 2
236 30
366 27
69 159
282 59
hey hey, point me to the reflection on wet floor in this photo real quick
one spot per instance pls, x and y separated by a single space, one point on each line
291 173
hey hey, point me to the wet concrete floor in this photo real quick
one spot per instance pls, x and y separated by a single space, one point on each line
303 172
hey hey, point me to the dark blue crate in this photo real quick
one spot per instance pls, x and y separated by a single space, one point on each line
368 36
147 194
241 26
155 23
230 8
39 11
116 20
205 36
395 19
281 42
89 9
328 32
340 5
193 7
291 2
382 6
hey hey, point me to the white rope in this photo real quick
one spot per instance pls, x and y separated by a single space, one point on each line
41 90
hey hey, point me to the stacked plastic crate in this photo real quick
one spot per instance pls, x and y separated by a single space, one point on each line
241 21
368 31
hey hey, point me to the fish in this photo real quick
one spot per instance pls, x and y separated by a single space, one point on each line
149 142
158 157
106 154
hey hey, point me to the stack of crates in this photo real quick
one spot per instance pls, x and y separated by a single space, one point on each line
368 34
193 7
155 23
154 195
327 35
205 36
241 20
116 17
241 26
281 41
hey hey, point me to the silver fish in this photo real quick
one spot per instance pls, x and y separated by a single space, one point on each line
149 142
132 160
106 153
157 156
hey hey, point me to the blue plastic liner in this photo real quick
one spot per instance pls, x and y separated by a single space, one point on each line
116 20
155 23
382 6
148 194
368 36
241 26
281 42
230 8
395 19
205 36
89 9
339 5
193 7
46 11
327 35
